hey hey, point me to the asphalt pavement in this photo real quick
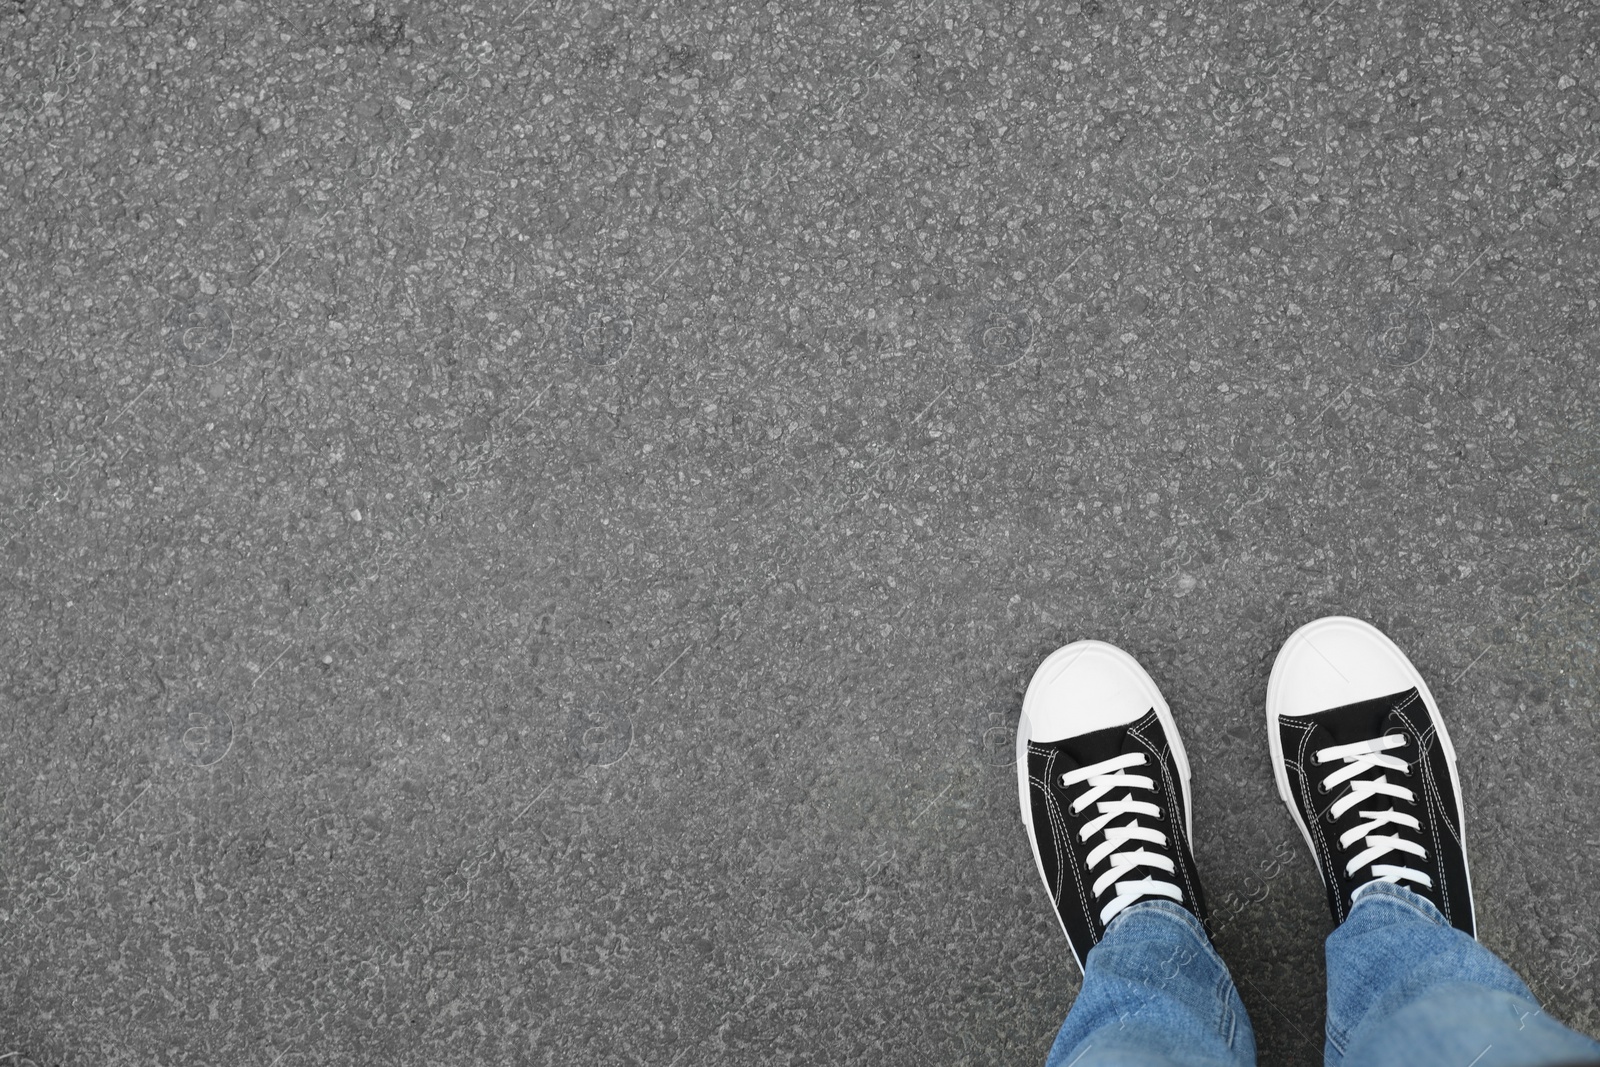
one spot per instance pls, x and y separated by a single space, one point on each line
524 526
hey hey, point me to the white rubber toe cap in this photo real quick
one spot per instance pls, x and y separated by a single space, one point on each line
1337 661
1083 687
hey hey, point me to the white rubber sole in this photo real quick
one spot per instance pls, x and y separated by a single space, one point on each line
1335 661
1078 689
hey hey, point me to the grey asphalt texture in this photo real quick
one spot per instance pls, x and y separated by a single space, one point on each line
526 525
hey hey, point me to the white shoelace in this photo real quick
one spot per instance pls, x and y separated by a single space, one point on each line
1364 764
1102 778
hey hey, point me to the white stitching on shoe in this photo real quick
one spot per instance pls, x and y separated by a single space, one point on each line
1436 803
1310 815
1052 811
1061 835
1427 740
1366 771
1101 779
1446 811
1180 833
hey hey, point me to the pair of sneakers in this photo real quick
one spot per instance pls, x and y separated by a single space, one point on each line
1359 751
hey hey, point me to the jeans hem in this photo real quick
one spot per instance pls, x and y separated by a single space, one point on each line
1183 915
1399 894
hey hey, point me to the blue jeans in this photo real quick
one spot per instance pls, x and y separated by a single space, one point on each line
1404 988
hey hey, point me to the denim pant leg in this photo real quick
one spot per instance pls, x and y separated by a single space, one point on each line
1406 988
1155 993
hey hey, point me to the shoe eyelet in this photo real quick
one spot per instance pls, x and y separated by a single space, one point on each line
1322 787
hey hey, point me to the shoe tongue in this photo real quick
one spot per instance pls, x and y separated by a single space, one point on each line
1097 747
1360 721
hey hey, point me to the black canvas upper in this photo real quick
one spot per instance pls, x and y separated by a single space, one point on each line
1056 828
1429 779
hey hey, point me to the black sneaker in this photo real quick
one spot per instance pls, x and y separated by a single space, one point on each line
1364 763
1104 787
